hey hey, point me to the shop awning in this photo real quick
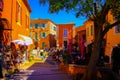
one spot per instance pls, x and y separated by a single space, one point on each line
23 40
26 39
20 42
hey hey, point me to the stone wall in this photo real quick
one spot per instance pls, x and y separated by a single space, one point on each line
72 68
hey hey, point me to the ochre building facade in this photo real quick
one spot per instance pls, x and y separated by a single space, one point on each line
43 32
112 37
17 13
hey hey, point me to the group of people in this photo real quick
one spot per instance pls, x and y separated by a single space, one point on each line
55 53
82 55
13 58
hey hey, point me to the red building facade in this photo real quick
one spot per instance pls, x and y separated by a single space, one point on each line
65 33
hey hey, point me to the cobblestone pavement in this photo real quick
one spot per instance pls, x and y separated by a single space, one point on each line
41 71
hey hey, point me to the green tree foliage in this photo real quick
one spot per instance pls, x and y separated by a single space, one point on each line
83 7
96 11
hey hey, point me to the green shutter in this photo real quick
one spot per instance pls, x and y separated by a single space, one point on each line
43 45
30 26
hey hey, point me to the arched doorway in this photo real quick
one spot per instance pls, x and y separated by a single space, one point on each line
65 44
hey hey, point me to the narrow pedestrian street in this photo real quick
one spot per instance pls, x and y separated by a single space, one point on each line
41 71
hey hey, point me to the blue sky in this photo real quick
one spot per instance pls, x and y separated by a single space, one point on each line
41 11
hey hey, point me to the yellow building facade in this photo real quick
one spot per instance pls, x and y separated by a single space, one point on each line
89 25
112 36
79 32
43 32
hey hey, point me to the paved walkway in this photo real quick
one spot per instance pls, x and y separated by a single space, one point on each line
41 71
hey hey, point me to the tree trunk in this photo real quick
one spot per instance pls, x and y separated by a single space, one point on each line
91 69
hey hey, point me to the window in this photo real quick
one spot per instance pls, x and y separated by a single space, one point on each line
55 28
27 21
31 34
43 45
42 25
117 29
40 35
30 26
65 44
87 31
55 36
92 30
35 25
39 25
51 26
36 36
43 35
18 13
65 33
